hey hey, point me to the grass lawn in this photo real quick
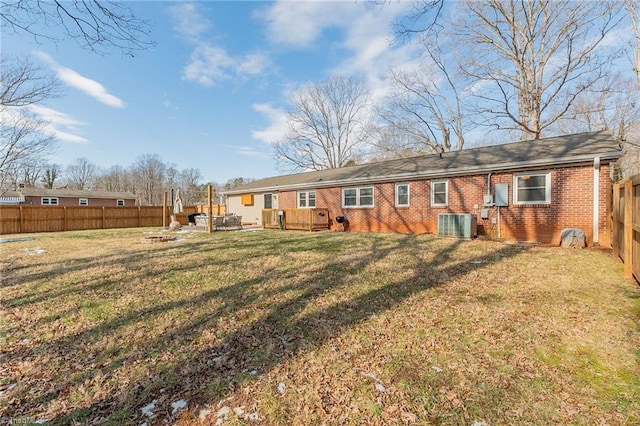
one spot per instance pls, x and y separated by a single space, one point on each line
272 327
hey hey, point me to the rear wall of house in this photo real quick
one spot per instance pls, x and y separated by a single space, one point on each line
571 206
69 201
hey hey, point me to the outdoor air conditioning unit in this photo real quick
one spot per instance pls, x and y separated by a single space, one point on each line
460 225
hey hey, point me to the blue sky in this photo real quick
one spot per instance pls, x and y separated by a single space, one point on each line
212 93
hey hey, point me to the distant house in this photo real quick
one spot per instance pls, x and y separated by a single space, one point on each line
524 191
67 197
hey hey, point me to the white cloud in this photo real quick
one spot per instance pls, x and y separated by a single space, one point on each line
189 23
362 30
277 128
76 80
211 64
46 120
54 117
253 64
61 125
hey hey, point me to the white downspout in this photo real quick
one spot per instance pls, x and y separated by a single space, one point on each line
596 201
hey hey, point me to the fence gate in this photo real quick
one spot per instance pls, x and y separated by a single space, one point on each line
626 225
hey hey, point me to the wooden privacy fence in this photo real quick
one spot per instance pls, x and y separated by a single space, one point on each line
299 219
626 225
27 218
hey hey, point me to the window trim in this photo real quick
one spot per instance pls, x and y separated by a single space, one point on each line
49 201
446 193
307 198
547 189
80 201
121 203
397 204
358 189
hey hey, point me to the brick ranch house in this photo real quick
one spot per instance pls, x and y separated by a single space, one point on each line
524 191
67 197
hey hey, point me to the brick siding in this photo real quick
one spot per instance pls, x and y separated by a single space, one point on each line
571 206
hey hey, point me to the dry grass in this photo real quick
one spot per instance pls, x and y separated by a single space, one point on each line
314 328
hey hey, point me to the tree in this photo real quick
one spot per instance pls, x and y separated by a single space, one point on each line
148 174
51 174
633 7
423 110
326 125
23 142
80 174
189 185
532 60
96 25
115 179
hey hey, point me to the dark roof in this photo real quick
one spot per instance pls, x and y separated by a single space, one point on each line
71 193
561 150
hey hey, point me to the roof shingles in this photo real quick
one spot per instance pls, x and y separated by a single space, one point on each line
581 147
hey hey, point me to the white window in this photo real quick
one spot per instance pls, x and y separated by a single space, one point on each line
119 202
439 193
306 199
83 202
357 197
532 188
50 201
402 194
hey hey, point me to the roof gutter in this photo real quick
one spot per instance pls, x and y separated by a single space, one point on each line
586 159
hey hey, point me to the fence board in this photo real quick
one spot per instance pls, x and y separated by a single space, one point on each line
297 219
626 225
29 219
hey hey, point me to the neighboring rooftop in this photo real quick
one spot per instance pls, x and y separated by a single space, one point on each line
569 149
68 193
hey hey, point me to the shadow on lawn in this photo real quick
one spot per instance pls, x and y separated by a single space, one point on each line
280 334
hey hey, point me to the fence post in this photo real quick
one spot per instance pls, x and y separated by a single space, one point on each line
164 210
103 217
628 229
64 221
21 220
210 205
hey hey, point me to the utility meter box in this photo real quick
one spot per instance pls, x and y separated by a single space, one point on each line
502 194
487 200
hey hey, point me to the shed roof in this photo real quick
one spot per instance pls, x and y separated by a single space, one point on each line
560 150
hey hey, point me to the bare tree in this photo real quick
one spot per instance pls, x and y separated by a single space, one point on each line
326 125
188 181
424 110
533 59
97 25
116 179
24 140
148 173
51 173
633 7
80 174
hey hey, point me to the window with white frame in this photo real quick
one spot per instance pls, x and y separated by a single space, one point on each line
357 197
49 201
306 199
402 194
532 188
439 193
83 201
119 202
